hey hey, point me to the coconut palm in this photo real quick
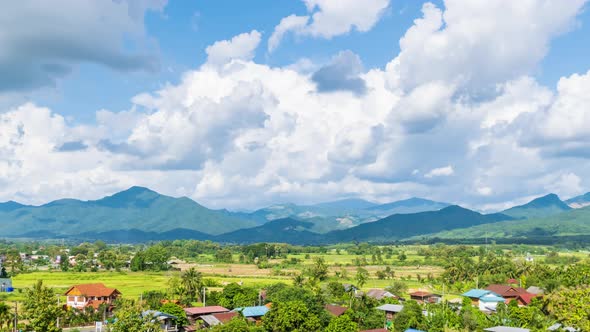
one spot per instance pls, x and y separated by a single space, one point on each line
192 282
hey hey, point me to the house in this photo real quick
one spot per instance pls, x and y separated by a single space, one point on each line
510 293
484 299
380 294
253 313
390 310
91 295
559 327
194 313
425 297
376 330
335 310
218 319
506 329
166 320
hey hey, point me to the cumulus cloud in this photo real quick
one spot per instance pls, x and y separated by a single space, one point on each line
240 47
330 18
42 42
341 74
466 44
234 133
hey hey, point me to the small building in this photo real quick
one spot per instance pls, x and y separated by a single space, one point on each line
390 310
6 285
425 297
194 313
91 295
166 320
484 299
506 329
253 313
335 310
511 293
380 294
218 319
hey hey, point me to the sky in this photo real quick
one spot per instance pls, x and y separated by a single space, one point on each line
244 104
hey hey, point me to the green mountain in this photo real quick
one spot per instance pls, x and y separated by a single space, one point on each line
545 206
570 223
579 201
286 230
134 209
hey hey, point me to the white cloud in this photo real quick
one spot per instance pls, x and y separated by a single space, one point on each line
477 44
441 171
240 47
330 18
289 23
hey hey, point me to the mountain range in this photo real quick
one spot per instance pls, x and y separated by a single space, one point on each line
140 214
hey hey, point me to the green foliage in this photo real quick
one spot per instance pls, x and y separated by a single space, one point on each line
41 308
570 307
237 324
192 282
410 317
233 296
319 269
342 324
175 310
129 319
291 316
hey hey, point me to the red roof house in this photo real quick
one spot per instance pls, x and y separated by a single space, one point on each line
335 310
91 295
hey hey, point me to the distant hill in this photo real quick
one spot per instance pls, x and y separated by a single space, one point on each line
137 208
545 206
341 214
569 223
579 201
285 230
401 226
10 206
411 205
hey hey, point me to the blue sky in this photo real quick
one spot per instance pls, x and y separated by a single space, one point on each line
442 99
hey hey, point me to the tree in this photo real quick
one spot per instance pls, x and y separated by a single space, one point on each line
570 307
192 282
410 316
361 277
398 288
5 315
129 318
291 316
177 311
319 269
342 324
41 308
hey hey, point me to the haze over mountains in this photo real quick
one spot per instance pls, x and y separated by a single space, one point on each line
140 214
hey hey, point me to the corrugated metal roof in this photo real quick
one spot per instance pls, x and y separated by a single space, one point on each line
257 311
391 307
477 293
492 298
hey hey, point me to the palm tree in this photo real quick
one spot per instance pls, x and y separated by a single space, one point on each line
192 282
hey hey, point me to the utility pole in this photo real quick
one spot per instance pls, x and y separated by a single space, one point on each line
58 307
204 296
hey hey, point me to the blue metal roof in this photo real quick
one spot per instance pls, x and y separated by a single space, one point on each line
252 311
413 330
477 293
492 298
157 314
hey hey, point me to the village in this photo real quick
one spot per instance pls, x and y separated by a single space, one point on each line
331 294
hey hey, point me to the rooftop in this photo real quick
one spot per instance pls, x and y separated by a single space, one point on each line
205 310
391 307
257 311
506 329
98 289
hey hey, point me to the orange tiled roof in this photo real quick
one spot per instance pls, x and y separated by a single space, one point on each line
97 289
335 310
